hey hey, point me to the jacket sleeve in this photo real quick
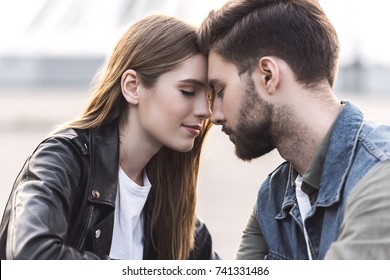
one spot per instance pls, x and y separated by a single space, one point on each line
203 249
41 204
364 232
252 246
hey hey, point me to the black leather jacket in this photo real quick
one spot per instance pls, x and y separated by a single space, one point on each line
62 203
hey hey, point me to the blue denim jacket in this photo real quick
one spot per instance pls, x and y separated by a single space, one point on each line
356 146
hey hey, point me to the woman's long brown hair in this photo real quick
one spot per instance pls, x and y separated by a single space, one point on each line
153 46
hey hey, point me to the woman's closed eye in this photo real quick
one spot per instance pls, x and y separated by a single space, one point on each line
187 92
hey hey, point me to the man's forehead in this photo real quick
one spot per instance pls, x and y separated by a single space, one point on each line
216 62
214 57
220 70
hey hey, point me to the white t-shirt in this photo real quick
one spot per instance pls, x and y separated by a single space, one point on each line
127 237
304 207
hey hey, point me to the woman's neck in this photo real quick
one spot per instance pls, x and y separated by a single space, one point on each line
135 151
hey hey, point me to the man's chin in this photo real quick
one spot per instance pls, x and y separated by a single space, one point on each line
247 154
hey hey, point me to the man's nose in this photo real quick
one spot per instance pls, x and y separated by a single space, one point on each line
217 115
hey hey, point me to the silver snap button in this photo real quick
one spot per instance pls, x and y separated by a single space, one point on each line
98 233
95 193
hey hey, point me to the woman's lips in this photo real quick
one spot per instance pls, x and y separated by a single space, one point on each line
194 129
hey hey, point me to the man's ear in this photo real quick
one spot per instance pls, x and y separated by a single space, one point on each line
129 86
269 74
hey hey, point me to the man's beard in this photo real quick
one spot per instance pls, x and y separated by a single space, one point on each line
253 135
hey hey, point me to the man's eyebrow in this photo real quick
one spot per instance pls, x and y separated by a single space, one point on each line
194 82
212 83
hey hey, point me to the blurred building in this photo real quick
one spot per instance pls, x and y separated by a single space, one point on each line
64 42
363 78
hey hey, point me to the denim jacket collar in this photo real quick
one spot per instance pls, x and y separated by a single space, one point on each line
340 154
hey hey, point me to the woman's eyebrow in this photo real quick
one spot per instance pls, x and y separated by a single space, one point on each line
194 82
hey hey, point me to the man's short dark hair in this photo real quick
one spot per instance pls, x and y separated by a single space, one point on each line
296 31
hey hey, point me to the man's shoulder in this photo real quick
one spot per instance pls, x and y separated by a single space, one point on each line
281 169
375 137
279 175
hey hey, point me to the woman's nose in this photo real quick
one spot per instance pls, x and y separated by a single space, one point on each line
202 108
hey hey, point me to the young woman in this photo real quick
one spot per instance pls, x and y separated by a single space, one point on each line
119 182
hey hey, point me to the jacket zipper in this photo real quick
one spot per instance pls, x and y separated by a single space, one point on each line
84 236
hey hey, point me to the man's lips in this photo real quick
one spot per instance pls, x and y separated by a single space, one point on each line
226 130
229 133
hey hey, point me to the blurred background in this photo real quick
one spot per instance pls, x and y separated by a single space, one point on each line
51 50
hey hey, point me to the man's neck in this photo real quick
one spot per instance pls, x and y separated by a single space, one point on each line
312 123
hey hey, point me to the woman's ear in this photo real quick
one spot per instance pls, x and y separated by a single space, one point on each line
269 74
129 86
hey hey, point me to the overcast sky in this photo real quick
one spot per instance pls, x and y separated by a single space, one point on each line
362 26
